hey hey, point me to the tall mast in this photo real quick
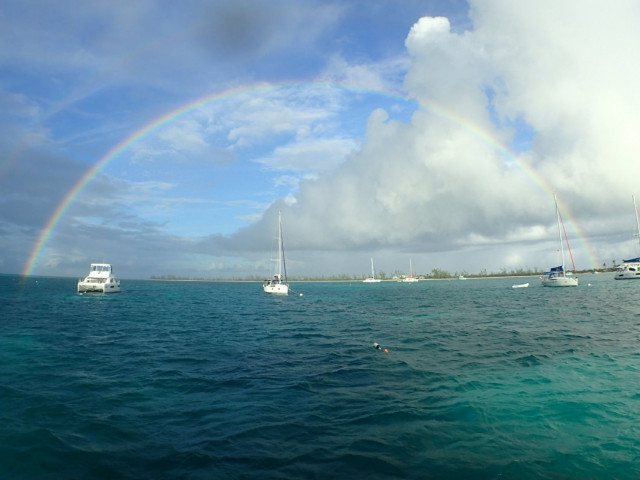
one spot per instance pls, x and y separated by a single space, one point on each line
279 245
555 199
635 209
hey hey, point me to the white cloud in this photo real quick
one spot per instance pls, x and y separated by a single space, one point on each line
433 184
288 129
310 155
385 75
262 115
428 30
570 72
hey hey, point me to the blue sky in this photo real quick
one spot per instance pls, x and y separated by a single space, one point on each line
378 129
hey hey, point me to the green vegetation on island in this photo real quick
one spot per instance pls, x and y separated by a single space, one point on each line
435 274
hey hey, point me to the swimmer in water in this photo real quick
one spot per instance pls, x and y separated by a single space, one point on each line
377 346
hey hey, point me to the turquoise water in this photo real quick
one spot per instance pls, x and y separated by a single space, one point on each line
219 380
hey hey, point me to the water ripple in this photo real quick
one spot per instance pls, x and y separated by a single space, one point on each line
216 380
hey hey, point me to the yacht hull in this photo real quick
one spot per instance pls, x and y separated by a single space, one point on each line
627 276
84 287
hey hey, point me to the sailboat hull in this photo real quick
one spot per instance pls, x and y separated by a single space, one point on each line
559 281
276 289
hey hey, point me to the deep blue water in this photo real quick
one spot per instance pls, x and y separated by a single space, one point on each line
219 380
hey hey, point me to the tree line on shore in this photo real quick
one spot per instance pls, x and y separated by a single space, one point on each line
435 274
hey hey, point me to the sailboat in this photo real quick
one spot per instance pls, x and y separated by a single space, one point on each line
557 276
412 275
630 269
372 278
276 285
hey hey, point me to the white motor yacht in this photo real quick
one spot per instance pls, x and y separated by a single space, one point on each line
630 269
100 279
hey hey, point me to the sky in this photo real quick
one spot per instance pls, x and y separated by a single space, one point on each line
164 137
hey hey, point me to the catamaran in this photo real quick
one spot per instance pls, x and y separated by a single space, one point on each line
557 276
276 285
372 278
630 269
100 279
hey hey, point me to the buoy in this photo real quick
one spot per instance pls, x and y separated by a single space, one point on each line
301 294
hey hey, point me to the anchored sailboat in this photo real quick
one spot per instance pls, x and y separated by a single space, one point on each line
630 269
276 284
557 276
412 275
372 278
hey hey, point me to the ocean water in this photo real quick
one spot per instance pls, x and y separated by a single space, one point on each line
196 380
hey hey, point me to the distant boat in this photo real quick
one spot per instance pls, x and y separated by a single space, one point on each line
557 276
630 269
275 284
372 278
520 285
412 276
100 279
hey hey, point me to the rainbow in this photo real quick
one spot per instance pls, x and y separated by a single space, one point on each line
199 103
140 134
530 173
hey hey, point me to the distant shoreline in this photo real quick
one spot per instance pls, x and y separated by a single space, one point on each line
356 280
319 280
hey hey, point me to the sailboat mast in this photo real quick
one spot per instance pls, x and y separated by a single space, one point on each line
555 199
635 209
279 245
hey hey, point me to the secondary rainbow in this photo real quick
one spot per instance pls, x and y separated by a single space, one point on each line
179 112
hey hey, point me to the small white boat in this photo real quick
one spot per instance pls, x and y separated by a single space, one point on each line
520 285
100 279
372 278
557 276
630 269
275 284
412 276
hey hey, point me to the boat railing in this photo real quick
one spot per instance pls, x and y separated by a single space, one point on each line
94 280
